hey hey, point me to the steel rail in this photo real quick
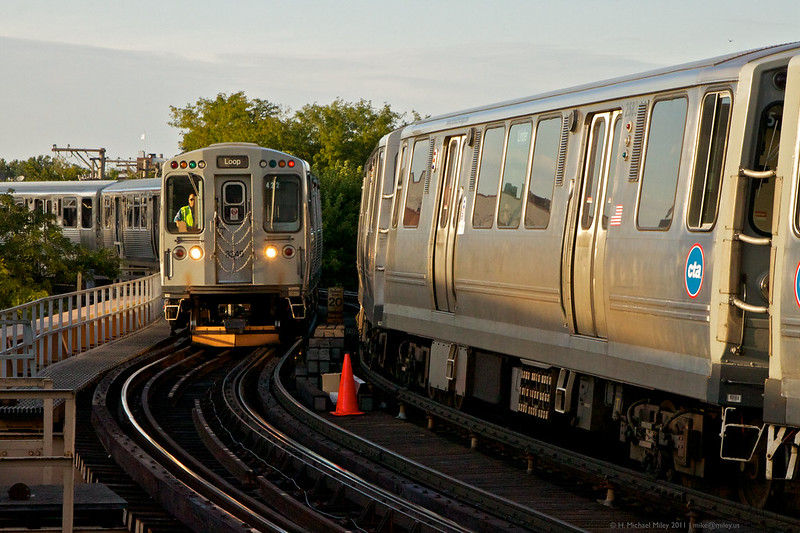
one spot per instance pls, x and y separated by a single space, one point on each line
235 395
198 483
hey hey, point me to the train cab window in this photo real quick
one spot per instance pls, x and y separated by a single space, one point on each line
69 213
183 203
711 145
661 164
515 170
543 173
282 202
87 205
416 184
488 177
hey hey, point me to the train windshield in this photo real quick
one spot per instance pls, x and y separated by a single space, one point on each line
184 203
281 202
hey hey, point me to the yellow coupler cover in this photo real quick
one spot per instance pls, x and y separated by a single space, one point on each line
219 337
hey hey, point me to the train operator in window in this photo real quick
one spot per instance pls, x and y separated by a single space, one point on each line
185 216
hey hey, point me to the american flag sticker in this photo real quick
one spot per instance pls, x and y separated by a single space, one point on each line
616 218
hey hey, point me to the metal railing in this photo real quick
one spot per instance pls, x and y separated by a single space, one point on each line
38 334
47 460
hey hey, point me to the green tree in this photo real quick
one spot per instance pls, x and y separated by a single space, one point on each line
41 168
226 118
37 258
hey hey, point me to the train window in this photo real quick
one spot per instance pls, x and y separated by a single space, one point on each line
143 214
398 193
107 213
595 166
234 202
86 212
661 164
38 205
515 171
416 183
488 177
767 148
711 144
183 203
69 213
543 173
281 202
616 170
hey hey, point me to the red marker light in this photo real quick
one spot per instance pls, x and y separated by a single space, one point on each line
174 164
291 164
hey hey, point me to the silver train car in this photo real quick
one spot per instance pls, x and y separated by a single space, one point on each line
101 214
131 215
621 257
241 235
75 204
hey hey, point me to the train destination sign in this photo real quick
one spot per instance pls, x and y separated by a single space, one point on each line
233 161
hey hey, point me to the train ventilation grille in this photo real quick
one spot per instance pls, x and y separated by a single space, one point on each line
638 140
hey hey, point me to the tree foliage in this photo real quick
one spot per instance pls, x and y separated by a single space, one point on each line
335 139
41 168
37 258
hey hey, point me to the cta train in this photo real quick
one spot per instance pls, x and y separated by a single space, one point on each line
102 214
241 243
622 258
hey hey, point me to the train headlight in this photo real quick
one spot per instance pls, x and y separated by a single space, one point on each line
271 252
179 252
288 251
196 253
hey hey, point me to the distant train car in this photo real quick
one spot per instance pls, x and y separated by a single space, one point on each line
241 241
102 214
621 257
131 212
76 205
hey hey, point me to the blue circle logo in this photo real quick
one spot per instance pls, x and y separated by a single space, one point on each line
797 285
694 270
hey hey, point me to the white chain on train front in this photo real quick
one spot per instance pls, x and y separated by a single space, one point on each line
232 243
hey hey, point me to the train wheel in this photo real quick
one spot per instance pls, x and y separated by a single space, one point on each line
458 401
754 488
433 392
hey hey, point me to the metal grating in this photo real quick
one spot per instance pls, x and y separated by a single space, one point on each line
476 148
429 169
562 152
638 141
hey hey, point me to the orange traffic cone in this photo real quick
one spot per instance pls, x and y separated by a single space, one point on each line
346 402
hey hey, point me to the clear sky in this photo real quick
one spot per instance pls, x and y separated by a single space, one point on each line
103 74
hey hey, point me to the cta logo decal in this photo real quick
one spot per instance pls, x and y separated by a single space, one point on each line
694 270
797 285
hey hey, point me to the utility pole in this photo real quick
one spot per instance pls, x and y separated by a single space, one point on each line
97 165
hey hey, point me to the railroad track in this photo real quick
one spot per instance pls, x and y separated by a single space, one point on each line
161 396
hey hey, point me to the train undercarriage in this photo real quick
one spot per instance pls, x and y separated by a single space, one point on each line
723 450
236 320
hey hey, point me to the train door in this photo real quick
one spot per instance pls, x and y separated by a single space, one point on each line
591 224
233 229
752 294
444 232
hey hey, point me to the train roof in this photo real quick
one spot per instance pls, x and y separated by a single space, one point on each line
719 69
133 185
47 188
